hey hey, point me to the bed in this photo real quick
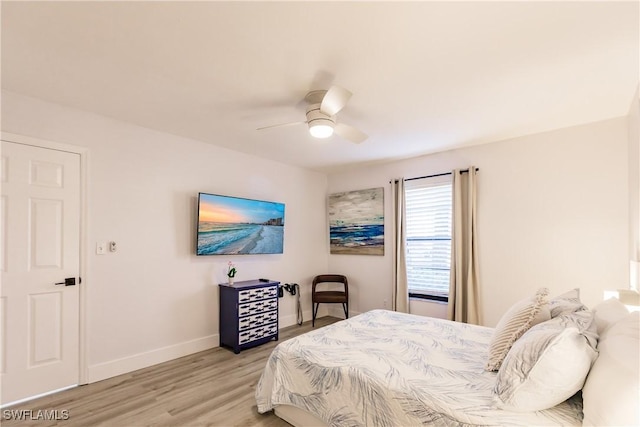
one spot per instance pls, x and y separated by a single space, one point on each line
384 368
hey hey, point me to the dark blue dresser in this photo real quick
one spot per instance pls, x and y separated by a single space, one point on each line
248 314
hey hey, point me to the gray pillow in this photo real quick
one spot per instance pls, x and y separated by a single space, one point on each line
568 302
548 364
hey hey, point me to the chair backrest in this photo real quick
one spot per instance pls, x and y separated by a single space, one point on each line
331 278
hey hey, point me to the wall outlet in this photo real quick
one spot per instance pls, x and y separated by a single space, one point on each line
384 304
101 248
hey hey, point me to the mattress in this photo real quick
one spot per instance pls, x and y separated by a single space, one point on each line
383 368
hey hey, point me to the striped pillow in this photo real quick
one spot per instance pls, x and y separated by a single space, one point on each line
515 322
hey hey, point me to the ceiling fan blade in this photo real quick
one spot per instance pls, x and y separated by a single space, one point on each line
334 100
280 125
349 133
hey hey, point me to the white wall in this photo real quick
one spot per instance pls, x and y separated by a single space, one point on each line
553 211
154 299
634 184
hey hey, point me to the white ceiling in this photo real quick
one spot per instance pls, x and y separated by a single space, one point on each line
426 76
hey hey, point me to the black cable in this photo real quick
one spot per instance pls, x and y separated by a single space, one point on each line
294 289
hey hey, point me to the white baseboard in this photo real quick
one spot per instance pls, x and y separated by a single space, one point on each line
113 368
127 364
292 319
336 310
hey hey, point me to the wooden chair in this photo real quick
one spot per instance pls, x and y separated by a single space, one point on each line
330 297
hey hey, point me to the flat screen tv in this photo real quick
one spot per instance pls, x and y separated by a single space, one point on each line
236 226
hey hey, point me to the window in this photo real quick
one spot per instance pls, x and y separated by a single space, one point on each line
428 203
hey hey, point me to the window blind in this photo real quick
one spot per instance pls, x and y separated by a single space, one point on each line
428 203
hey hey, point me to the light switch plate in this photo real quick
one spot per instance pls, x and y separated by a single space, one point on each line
101 248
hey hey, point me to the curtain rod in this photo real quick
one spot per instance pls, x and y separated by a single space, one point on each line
435 175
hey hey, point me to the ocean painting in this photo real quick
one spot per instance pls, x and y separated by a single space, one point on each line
356 222
237 226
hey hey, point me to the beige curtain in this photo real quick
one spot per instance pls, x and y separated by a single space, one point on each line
463 293
400 290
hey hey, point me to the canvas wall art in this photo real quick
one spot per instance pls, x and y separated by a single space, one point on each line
356 222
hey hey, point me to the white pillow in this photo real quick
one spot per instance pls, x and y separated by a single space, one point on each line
548 364
515 322
609 312
611 394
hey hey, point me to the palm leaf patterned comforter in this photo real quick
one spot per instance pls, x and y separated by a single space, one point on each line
383 368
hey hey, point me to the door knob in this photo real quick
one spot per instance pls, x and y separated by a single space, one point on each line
69 281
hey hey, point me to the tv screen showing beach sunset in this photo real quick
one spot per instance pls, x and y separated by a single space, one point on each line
236 226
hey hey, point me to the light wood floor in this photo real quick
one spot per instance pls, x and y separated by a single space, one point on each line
211 388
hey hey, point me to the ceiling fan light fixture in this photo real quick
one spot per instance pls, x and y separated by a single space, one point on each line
321 115
320 124
321 128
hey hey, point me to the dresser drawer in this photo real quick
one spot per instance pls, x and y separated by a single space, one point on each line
257 320
257 307
257 294
257 333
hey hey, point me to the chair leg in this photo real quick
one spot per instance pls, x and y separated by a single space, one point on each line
315 313
345 307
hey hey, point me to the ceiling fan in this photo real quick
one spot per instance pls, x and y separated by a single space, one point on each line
323 105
